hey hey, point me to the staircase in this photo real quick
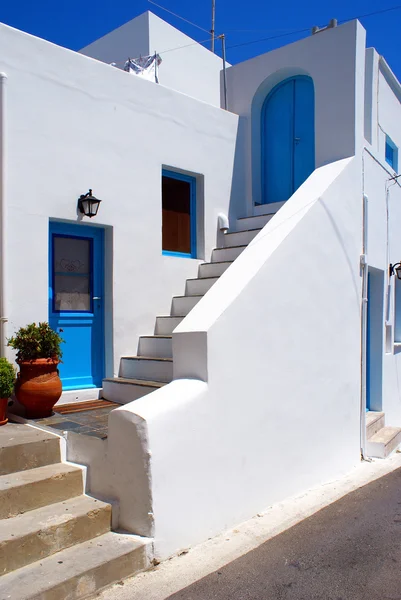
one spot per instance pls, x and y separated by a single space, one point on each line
55 542
380 440
152 367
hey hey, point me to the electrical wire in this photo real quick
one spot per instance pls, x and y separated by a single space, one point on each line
265 39
178 16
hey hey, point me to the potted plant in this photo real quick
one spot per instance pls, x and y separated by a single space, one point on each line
7 380
38 385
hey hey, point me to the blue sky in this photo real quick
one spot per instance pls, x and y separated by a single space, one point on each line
76 23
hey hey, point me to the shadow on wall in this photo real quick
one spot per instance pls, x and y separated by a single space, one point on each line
239 204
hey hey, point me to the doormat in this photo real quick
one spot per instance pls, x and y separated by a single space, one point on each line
76 407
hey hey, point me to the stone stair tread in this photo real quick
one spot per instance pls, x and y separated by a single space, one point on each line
385 435
164 359
48 516
193 296
218 262
16 435
80 571
157 336
373 416
21 478
229 247
203 279
126 380
261 215
244 230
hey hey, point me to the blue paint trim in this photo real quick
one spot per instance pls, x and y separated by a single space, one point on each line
91 323
176 254
192 213
289 163
391 153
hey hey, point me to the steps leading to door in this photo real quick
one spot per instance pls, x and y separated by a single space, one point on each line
55 542
381 440
153 365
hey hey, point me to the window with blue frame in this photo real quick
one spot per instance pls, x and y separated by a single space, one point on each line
179 214
391 153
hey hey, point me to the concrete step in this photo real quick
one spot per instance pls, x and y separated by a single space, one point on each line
374 422
255 222
146 368
199 287
80 571
182 305
382 443
23 447
39 533
28 490
213 269
156 345
240 238
225 254
166 325
267 209
123 391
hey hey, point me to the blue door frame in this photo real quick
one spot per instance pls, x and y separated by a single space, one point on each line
82 326
288 138
192 213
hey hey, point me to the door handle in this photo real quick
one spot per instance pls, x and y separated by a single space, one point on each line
96 298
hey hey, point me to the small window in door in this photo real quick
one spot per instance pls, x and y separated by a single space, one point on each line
391 153
179 214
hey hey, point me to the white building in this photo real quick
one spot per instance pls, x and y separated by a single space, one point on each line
269 372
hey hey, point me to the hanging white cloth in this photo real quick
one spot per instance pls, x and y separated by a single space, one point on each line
144 66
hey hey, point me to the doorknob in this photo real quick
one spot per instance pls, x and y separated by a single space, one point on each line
96 298
296 140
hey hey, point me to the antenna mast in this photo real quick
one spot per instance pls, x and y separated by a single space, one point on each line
213 20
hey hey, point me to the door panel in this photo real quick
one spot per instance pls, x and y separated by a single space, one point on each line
278 135
304 131
76 302
288 139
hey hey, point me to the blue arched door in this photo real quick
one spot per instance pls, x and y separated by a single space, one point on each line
288 138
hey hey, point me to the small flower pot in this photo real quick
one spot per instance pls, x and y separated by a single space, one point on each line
38 386
3 411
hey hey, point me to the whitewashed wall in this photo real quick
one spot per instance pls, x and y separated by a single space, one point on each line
187 67
335 59
383 115
75 123
277 340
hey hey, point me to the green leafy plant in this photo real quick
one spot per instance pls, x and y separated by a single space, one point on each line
7 378
36 341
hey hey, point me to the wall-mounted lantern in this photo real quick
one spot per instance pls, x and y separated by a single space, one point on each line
395 269
88 204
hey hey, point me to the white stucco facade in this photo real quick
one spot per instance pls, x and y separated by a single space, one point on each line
267 397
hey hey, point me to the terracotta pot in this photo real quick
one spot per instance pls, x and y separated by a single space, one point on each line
3 411
38 386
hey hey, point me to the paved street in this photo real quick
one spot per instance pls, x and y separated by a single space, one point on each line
350 550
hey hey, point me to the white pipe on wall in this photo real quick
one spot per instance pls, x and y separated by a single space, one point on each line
364 322
3 218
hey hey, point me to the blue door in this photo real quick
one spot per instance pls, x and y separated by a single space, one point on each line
76 302
374 341
288 138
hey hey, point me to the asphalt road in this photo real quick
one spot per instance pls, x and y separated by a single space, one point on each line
350 550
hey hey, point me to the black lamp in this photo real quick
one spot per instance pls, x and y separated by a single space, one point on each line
395 269
88 204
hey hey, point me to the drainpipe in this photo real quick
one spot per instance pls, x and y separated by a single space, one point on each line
364 322
3 217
